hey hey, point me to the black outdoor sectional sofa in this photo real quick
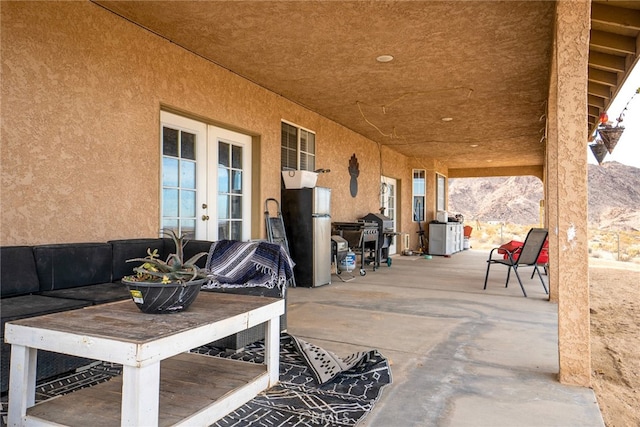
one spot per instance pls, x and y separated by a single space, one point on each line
43 279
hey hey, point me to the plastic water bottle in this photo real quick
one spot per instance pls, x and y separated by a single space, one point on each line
349 261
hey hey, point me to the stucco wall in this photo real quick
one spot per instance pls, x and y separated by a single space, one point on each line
81 94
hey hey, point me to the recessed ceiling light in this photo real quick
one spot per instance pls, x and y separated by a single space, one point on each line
384 58
447 119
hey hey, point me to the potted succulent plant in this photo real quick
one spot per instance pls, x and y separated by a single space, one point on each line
166 286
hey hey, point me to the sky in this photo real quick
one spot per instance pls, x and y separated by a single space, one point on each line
627 151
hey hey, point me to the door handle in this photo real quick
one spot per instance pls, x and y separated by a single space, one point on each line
205 217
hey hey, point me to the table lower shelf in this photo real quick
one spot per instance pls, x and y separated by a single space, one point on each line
194 389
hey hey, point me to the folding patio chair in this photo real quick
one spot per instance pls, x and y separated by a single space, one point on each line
525 255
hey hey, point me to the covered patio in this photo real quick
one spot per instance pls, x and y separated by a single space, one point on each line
460 356
475 89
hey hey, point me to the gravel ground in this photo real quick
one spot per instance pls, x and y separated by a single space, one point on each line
615 340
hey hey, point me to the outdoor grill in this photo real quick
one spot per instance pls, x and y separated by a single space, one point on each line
362 237
386 234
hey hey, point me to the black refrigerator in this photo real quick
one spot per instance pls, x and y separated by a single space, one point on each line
307 221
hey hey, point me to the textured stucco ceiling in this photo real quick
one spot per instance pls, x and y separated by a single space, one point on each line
484 64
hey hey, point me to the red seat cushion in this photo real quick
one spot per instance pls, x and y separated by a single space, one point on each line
511 246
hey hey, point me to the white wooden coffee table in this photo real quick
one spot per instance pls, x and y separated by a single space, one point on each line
161 383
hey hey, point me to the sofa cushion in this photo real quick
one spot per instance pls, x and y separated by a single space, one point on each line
69 265
17 271
95 294
132 248
24 306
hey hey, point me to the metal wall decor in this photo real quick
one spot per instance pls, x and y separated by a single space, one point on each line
354 171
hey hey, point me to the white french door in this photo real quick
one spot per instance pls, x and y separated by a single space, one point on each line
205 179
232 155
388 199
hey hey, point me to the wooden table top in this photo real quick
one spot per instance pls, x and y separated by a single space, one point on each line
125 322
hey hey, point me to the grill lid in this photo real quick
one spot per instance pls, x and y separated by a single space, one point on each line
384 222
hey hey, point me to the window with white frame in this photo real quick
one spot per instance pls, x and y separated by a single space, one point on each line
419 194
441 190
298 148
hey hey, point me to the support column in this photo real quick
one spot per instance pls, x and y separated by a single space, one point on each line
551 179
570 170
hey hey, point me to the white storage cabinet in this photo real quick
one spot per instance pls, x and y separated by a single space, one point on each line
445 238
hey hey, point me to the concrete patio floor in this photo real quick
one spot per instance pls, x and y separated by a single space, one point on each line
460 355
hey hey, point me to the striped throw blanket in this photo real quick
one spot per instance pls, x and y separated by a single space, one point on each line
237 264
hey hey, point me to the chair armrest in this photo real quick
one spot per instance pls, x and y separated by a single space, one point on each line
494 249
503 251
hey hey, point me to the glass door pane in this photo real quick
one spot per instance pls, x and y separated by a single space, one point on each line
178 180
388 202
230 191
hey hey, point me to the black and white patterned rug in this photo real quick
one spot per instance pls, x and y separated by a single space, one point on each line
317 388
299 400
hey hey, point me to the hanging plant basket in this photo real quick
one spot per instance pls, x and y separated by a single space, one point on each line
610 135
599 151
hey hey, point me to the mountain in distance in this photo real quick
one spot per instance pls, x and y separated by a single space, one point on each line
614 198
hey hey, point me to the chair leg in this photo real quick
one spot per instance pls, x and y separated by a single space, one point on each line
520 281
536 267
487 275
541 280
508 276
